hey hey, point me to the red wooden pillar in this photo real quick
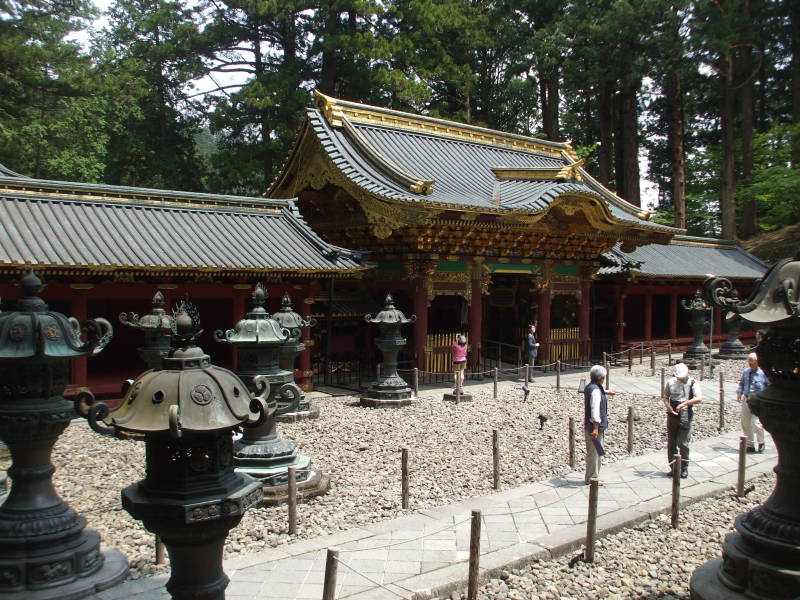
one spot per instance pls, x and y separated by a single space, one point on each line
584 318
304 360
421 324
238 311
544 324
80 311
648 316
673 316
620 318
475 322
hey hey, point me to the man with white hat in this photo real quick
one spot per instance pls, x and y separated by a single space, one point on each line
680 394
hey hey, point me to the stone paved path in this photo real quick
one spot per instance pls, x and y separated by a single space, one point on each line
425 554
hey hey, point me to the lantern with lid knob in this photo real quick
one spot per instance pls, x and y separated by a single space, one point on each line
290 320
157 329
191 496
45 552
761 558
262 452
389 390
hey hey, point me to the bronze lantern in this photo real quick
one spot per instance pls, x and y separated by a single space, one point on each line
699 311
262 452
389 390
156 326
761 559
291 349
45 550
191 496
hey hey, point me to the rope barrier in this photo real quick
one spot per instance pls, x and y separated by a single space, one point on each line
372 581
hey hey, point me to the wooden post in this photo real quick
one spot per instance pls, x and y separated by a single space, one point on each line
292 500
669 353
742 466
641 352
652 362
527 373
571 437
474 555
415 379
630 430
496 458
329 585
159 551
721 403
661 391
404 477
608 371
676 488
494 377
558 374
458 394
702 367
591 521
630 359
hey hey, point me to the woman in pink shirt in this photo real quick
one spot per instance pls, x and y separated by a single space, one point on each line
459 362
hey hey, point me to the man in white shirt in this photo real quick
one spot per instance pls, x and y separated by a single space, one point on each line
595 419
680 394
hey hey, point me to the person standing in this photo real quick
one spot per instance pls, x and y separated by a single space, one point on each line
595 419
459 351
680 394
533 345
752 382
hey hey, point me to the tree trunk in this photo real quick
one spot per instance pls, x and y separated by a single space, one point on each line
630 143
748 225
727 203
549 98
329 73
675 140
794 67
606 122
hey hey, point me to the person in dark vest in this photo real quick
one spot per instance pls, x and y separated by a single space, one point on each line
595 419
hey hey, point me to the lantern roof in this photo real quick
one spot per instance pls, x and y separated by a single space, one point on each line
390 314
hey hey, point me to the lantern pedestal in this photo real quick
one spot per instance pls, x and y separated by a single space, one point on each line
389 390
45 552
305 408
456 398
732 348
191 502
263 454
761 558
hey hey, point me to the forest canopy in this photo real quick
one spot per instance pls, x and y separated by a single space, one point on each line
206 95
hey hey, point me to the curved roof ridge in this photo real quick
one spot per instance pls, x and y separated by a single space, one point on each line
6 172
123 192
335 109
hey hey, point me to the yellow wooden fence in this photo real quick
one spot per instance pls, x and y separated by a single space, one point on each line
438 352
565 344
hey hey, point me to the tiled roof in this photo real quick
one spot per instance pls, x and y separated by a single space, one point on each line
383 155
101 228
685 257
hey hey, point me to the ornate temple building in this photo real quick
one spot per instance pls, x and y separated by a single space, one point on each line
105 250
485 232
474 231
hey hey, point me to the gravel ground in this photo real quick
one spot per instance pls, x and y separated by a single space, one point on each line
451 459
731 369
650 561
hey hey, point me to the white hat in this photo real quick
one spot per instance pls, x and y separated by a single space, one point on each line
680 370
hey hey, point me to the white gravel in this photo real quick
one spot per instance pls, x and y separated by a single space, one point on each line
451 459
650 561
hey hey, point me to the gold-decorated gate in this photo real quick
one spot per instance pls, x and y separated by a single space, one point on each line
438 351
565 344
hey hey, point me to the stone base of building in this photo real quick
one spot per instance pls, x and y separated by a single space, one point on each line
705 584
385 402
311 412
456 398
316 484
113 571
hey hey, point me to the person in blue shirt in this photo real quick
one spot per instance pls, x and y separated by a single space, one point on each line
752 382
595 419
